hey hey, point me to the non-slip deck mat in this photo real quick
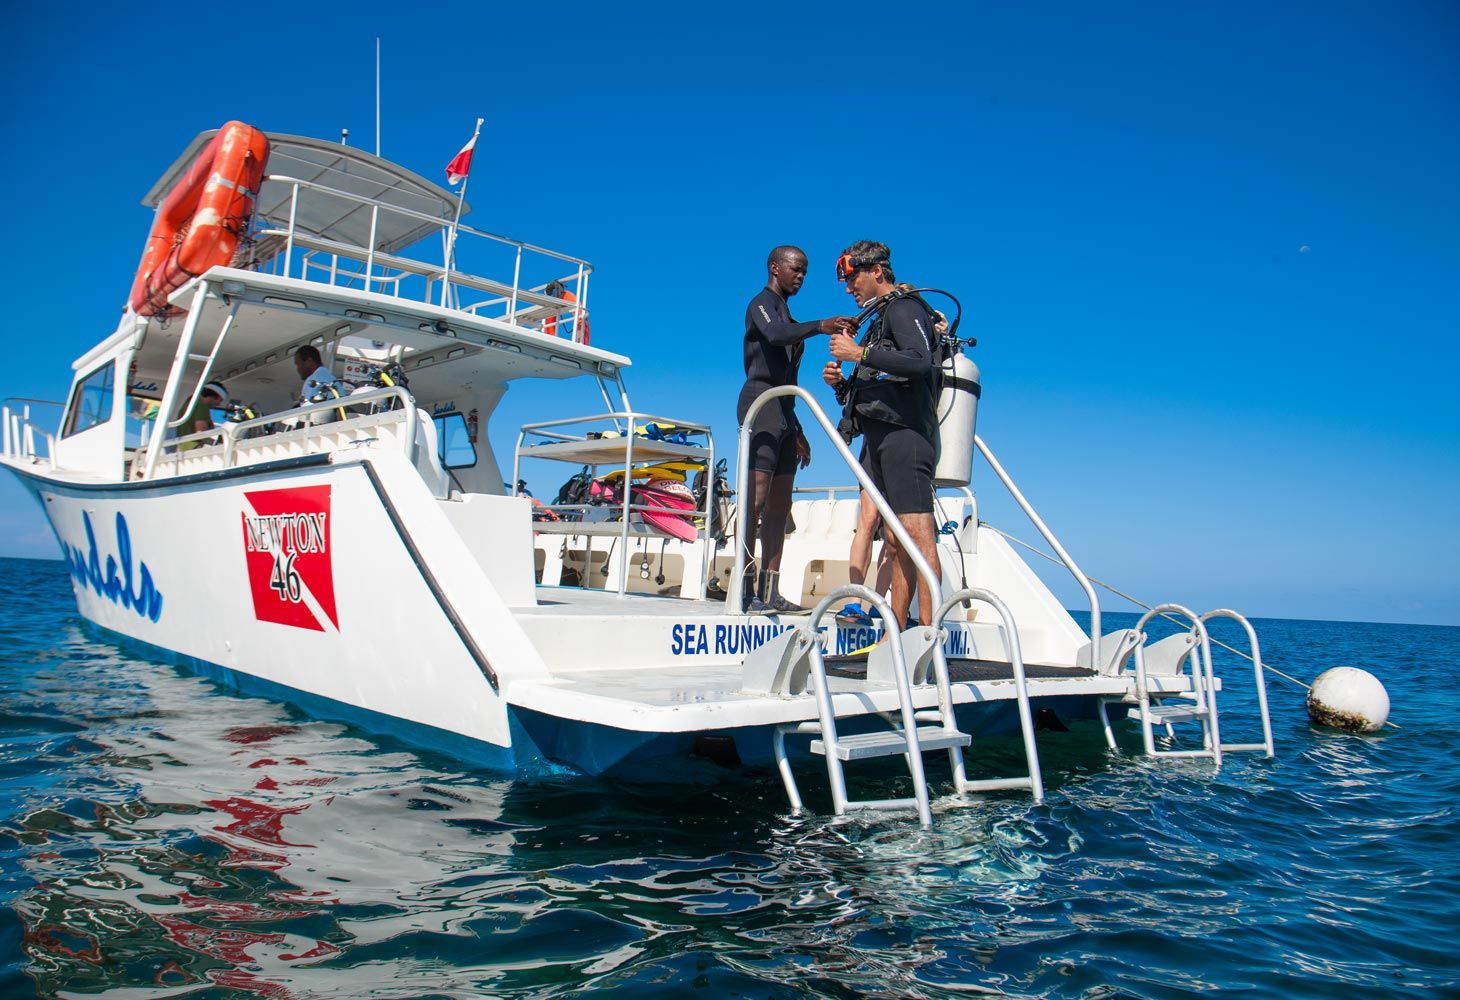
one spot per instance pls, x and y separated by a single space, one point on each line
961 670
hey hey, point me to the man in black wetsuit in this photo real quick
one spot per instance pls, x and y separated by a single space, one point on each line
892 397
773 348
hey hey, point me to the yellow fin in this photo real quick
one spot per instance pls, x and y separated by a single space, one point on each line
646 472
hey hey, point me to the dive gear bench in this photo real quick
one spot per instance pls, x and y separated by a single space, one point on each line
548 440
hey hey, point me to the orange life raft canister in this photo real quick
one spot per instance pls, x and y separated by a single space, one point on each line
199 222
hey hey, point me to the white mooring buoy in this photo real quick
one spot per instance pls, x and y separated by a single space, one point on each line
1348 698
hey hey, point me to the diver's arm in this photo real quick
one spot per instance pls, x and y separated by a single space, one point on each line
908 326
777 328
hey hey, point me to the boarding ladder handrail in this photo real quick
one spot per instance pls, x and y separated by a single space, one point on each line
831 743
1203 687
1035 781
1259 678
889 519
1054 543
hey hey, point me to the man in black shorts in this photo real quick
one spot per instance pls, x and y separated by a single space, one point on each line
892 397
773 348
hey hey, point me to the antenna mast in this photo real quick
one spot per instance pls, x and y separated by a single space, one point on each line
377 95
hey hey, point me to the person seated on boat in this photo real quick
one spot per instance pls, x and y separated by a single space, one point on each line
774 343
893 405
317 378
213 396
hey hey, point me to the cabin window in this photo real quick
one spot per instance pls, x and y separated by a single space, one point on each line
454 445
91 401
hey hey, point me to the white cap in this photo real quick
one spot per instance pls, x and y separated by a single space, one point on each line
217 389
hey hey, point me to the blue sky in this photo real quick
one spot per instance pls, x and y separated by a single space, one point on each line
1210 253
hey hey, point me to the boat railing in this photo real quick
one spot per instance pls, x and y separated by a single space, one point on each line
1054 543
225 445
1008 482
830 491
966 498
293 251
889 519
1029 511
24 437
552 439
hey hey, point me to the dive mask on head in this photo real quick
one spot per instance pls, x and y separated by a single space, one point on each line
848 265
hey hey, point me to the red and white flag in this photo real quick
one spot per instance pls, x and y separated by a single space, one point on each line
460 164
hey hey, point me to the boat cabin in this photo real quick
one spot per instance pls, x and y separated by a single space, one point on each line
424 319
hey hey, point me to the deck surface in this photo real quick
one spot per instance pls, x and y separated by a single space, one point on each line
688 697
961 671
570 601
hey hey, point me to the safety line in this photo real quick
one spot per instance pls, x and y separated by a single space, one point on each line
1167 615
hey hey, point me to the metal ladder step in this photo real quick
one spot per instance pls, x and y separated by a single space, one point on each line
1167 713
864 746
789 665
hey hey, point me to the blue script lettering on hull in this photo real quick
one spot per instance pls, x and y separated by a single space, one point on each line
85 567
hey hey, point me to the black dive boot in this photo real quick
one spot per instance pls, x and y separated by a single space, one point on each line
771 596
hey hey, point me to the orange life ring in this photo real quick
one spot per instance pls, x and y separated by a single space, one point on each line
199 222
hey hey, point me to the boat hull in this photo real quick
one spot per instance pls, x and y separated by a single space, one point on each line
335 581
300 575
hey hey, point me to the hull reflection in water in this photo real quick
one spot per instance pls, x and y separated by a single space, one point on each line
228 842
241 847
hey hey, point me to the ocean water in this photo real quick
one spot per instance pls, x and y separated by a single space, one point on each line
162 837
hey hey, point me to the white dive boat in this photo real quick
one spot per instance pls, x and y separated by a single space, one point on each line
363 557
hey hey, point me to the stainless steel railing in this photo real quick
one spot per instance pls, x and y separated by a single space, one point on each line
889 519
382 271
1053 542
570 444
229 434
19 431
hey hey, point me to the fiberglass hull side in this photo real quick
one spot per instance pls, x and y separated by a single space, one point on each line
303 575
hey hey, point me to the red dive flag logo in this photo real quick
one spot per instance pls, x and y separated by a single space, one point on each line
286 543
460 164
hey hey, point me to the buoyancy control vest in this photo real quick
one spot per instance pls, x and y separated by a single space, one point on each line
900 400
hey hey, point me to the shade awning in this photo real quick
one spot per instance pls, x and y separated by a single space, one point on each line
343 168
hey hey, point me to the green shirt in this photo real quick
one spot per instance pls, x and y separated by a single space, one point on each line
200 412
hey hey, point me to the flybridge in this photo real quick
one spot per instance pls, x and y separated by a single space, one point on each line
338 215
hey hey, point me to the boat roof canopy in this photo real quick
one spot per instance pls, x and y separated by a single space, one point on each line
441 350
342 168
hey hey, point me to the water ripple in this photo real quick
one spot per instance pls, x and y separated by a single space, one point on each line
161 837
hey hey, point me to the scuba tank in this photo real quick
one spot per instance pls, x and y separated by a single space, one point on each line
956 383
957 415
